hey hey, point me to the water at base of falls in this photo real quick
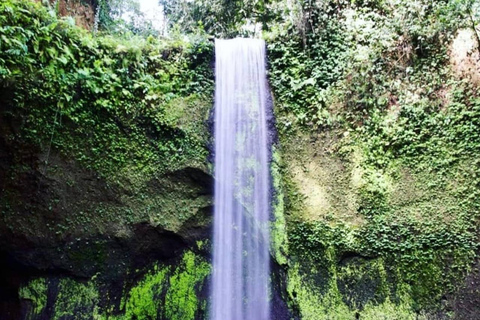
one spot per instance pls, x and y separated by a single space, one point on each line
241 261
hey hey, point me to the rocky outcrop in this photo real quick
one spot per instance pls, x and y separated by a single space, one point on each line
82 11
59 219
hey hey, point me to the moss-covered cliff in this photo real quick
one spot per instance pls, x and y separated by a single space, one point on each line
106 188
379 145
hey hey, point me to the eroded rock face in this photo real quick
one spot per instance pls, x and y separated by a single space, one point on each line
465 55
62 258
83 11
60 219
466 302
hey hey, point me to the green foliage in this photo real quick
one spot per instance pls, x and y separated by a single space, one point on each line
427 255
111 16
305 63
218 17
390 310
343 61
311 304
333 303
102 101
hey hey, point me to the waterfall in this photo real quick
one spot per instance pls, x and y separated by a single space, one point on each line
241 262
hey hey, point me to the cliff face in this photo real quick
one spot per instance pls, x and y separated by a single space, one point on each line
377 119
83 12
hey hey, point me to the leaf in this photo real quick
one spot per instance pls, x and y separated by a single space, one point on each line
63 59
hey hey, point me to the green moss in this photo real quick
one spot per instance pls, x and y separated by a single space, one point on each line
363 282
312 304
144 300
163 292
170 291
278 234
202 244
76 300
358 289
181 301
390 311
414 217
410 223
36 292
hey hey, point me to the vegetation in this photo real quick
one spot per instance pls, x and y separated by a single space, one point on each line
378 139
117 95
163 291
221 18
124 111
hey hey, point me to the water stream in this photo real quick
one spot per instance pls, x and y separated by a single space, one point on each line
241 262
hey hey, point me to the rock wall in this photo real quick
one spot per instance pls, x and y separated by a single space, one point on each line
82 11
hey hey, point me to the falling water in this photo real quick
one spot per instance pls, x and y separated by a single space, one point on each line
241 260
